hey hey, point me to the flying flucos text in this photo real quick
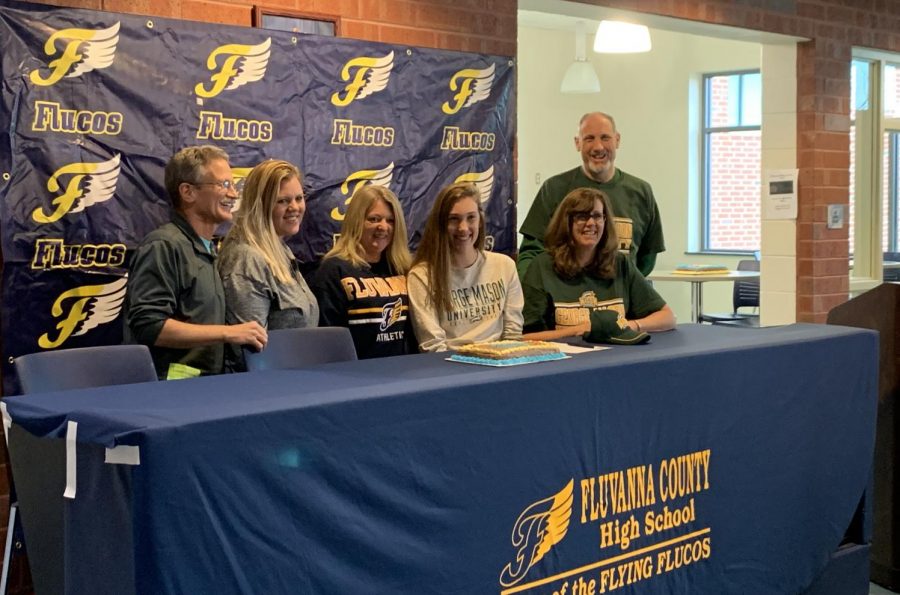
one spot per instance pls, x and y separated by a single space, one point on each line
668 494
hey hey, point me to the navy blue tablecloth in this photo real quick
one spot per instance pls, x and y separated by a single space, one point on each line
713 460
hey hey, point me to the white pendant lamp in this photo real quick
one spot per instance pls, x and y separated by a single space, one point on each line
616 37
580 77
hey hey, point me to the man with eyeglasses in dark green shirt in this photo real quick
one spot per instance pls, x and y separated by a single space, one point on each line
175 302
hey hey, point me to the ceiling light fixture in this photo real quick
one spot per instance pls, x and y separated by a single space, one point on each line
616 37
580 76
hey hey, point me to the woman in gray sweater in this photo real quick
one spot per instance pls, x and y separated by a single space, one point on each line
258 270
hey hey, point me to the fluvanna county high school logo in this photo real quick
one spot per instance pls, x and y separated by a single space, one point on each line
88 184
471 86
540 526
241 64
80 51
84 308
378 177
370 75
630 525
483 180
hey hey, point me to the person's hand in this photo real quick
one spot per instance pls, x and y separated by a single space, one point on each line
580 329
250 333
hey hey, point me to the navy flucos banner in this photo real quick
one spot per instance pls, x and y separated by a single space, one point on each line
96 103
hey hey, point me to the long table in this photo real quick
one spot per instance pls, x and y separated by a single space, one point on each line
713 460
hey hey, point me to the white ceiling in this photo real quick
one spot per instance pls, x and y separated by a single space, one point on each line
562 15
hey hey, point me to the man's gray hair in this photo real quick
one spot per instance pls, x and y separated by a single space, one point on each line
184 166
604 114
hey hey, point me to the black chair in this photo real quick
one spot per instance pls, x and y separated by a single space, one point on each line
889 272
290 349
46 371
744 295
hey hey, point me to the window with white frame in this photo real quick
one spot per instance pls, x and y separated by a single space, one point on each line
874 167
891 158
732 114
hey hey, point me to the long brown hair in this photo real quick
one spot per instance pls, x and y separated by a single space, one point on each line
434 249
348 247
559 243
253 223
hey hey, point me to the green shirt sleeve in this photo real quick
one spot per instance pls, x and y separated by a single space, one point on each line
646 261
535 225
653 242
642 300
529 249
537 301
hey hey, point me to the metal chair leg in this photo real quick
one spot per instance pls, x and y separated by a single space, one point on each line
7 550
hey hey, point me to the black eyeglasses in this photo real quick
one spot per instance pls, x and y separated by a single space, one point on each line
225 185
583 216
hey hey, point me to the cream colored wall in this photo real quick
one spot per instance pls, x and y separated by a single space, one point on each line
655 98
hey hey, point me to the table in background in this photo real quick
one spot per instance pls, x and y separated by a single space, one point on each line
418 475
697 282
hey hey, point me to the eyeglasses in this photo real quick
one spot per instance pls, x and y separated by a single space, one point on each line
225 185
582 217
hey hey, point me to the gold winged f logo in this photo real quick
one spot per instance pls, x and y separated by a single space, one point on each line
242 64
89 184
371 76
540 526
85 51
377 177
471 85
483 180
91 306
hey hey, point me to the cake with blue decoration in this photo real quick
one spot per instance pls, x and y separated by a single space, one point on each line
507 353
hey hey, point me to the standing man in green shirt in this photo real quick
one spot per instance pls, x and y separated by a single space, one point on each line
637 221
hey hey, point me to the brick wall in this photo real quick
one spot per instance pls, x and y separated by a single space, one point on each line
734 191
734 179
487 26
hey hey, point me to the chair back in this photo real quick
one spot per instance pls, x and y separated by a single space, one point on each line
84 367
289 349
891 274
746 291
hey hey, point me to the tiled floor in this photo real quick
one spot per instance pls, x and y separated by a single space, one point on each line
877 590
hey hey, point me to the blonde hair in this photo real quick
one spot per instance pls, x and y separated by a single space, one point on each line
253 224
434 249
349 246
